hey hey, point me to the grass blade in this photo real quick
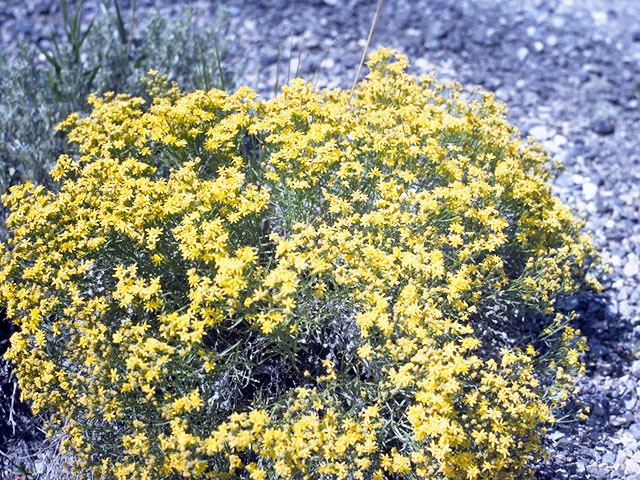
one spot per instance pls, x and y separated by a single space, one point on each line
205 70
366 47
275 90
219 63
122 32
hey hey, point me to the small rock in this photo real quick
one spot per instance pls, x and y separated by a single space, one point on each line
454 41
438 30
541 132
632 266
632 466
538 46
552 40
635 369
629 400
626 310
599 18
328 63
634 428
618 421
522 53
24 26
556 435
594 471
580 468
611 309
40 466
589 191
598 410
608 458
615 260
560 140
603 126
422 65
503 94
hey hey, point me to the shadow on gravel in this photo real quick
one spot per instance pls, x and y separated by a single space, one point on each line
17 428
578 449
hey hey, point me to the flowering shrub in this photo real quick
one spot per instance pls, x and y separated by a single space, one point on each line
93 58
313 286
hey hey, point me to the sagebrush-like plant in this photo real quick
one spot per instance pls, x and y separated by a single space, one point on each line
314 286
37 94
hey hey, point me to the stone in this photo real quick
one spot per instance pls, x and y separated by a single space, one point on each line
594 471
632 466
618 421
603 126
541 132
632 266
598 410
556 435
522 53
626 310
611 309
589 191
438 29
560 140
629 400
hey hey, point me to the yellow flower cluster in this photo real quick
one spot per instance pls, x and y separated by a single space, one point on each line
314 286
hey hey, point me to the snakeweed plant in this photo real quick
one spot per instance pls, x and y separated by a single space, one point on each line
320 285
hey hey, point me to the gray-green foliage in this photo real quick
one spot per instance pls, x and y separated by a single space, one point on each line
41 86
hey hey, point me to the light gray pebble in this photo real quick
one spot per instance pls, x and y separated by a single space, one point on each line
560 140
634 428
522 53
541 132
589 191
632 466
631 267
626 310
629 400
556 435
618 421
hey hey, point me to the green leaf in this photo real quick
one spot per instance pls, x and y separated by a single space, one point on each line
122 31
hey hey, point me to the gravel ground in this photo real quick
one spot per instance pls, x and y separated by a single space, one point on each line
569 71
